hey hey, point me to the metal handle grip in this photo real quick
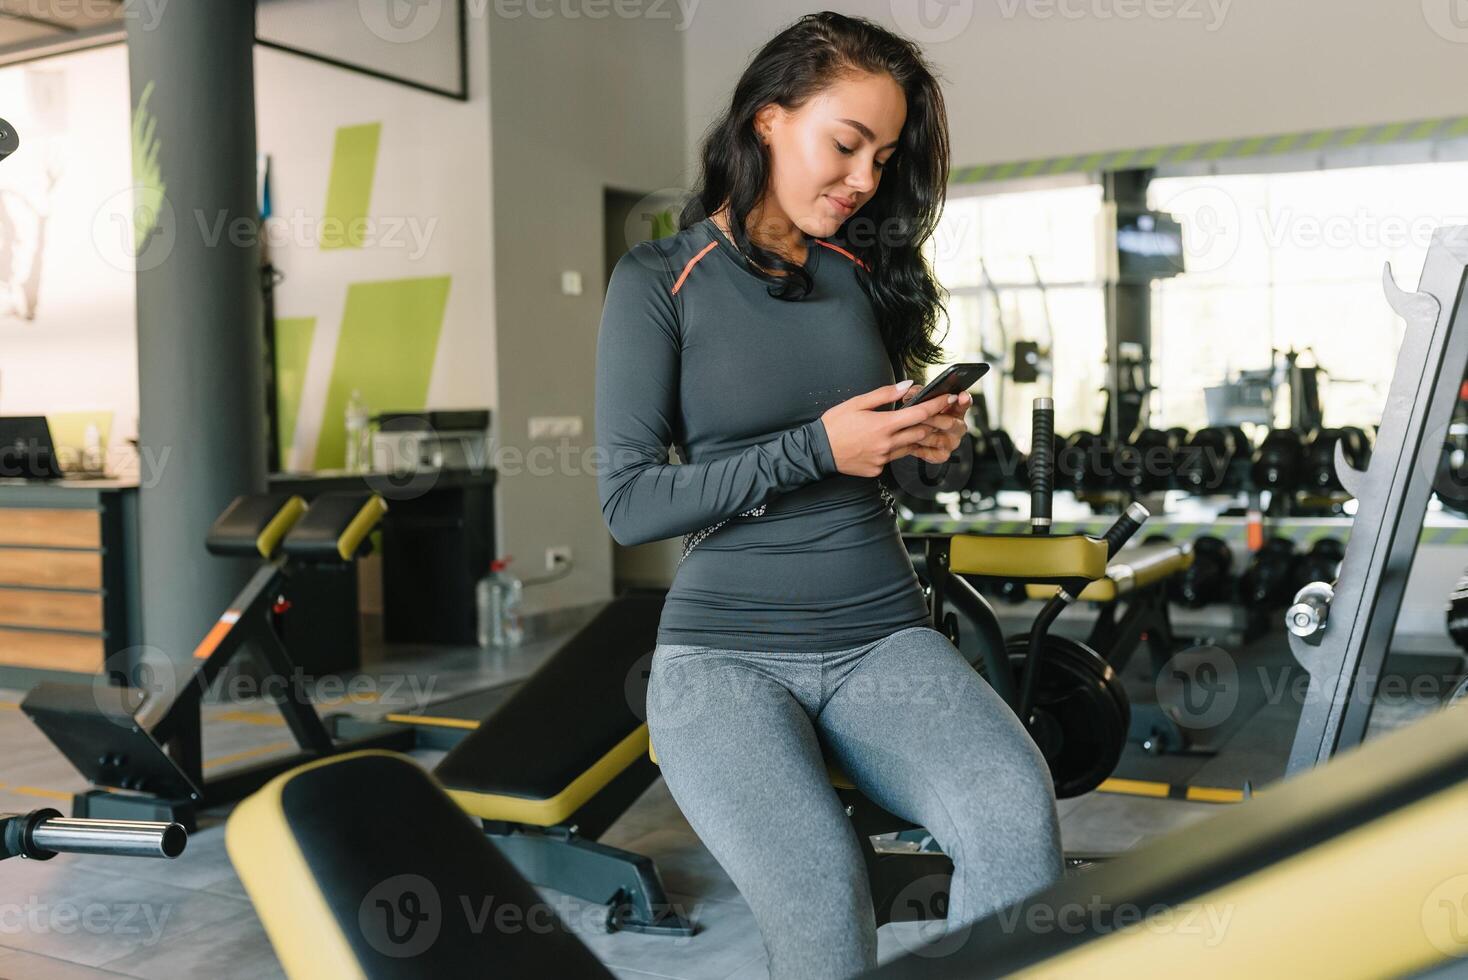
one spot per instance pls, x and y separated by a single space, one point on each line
45 833
1126 525
1042 464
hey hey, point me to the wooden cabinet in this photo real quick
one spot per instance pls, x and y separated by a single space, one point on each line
68 577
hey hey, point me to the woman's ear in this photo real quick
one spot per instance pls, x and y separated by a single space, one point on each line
764 121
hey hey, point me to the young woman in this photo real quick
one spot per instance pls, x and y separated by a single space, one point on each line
763 339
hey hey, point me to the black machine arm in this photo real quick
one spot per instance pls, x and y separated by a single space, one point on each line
43 834
1126 525
1042 464
1116 536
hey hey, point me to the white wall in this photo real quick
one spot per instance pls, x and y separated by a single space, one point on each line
75 348
79 352
1024 81
430 202
579 105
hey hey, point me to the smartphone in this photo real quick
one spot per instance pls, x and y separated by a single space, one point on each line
953 379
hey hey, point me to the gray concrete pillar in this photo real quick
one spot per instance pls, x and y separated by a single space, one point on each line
201 400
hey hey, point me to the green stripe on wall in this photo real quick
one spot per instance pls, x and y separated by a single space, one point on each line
349 192
388 341
1411 131
292 351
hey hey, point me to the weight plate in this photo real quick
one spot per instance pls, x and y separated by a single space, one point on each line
1080 715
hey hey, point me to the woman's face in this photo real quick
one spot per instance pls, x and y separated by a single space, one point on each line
826 158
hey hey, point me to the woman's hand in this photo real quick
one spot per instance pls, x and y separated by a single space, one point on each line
948 428
864 438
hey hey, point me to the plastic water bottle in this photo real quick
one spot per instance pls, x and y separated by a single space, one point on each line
92 461
358 448
497 602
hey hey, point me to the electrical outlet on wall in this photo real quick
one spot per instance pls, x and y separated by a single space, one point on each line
557 556
555 427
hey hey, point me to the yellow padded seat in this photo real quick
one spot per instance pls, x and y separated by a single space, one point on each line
550 810
1135 568
1028 556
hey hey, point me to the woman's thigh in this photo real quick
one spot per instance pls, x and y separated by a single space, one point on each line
740 757
926 738
738 751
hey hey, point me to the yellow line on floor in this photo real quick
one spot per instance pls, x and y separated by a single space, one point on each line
225 760
368 697
250 717
468 723
1164 791
1134 787
49 794
9 705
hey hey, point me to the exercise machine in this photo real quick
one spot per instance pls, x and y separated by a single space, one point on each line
142 749
1069 696
1340 631
583 712
336 892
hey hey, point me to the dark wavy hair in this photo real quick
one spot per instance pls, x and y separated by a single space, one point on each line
889 231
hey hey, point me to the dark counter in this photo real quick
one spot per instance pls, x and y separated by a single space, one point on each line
437 542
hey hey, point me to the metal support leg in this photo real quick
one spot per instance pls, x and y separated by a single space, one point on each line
1344 651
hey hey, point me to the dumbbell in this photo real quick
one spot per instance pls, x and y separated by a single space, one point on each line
1322 563
1202 460
1241 461
1269 581
1319 469
997 465
1145 464
1458 613
1279 462
1359 448
1086 464
1213 460
1209 579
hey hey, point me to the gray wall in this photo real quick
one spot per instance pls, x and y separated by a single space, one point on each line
576 105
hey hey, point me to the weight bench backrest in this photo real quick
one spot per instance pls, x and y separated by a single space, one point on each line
255 525
580 719
360 866
335 528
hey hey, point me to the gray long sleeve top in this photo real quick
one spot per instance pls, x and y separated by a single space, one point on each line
693 352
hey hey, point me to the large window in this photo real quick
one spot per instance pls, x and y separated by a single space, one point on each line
1022 267
1275 261
1294 260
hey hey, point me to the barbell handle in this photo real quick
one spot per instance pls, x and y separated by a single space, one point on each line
42 834
1311 609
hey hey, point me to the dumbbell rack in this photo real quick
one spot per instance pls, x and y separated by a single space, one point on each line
1341 633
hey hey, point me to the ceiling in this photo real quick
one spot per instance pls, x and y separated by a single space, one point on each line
28 27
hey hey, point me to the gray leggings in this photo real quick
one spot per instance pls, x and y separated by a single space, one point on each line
739 736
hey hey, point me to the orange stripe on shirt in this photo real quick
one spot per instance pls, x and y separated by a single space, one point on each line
691 263
838 248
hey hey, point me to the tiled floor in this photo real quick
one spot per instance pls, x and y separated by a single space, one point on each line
78 917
